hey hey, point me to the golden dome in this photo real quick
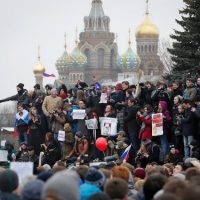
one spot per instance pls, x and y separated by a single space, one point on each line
147 29
39 68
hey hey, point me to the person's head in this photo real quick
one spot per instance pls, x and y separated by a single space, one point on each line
31 150
67 107
23 146
180 108
172 149
125 85
20 108
175 85
198 81
148 85
160 85
48 89
197 100
178 168
108 109
128 92
186 103
189 82
20 86
153 184
120 172
192 173
49 136
54 93
148 108
81 105
33 111
177 100
131 102
59 109
116 188
162 106
176 187
67 127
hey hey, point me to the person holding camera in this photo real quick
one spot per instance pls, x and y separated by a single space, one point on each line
35 129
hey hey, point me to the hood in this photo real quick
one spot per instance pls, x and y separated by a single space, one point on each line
163 105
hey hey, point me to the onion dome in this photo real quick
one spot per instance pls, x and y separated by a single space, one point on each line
39 69
130 60
76 58
147 29
62 61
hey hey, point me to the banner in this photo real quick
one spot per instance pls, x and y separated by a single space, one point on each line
91 124
103 98
61 136
78 114
157 124
23 169
3 155
108 126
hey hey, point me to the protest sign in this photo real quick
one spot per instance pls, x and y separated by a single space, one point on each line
108 126
103 98
78 114
157 124
3 155
61 136
91 124
23 169
3 143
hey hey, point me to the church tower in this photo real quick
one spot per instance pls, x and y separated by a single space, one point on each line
147 39
38 71
97 43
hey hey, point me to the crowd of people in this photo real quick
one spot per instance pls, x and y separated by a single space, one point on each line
162 167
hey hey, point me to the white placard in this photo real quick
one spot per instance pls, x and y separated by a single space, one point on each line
61 136
91 124
108 126
3 143
103 98
78 114
3 156
157 124
23 169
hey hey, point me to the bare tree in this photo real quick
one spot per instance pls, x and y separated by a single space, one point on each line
164 54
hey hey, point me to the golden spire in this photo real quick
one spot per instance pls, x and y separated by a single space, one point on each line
38 53
76 37
147 7
129 38
65 46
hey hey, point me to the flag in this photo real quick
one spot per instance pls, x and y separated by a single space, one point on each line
48 75
125 155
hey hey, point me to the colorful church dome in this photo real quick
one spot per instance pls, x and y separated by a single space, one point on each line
147 29
76 58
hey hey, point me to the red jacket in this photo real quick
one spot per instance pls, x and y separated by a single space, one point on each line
146 132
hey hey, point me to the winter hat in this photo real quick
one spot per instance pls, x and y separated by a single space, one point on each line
37 86
87 190
21 86
32 190
95 177
45 175
8 181
139 173
63 185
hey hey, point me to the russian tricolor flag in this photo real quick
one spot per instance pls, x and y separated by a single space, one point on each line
125 155
48 75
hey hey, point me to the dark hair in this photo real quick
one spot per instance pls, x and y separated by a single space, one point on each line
191 173
116 188
149 107
125 82
153 184
186 101
99 196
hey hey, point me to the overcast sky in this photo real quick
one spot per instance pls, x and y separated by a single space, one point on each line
26 23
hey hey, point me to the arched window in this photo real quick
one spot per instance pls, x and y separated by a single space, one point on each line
100 56
112 58
153 48
145 48
87 54
142 49
149 48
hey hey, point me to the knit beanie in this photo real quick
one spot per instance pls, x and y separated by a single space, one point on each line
139 173
8 181
63 185
95 177
32 190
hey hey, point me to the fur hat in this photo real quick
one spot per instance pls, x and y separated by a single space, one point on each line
8 181
37 86
95 177
63 185
32 190
21 86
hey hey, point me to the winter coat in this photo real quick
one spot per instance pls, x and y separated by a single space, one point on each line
188 123
58 122
68 144
189 93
